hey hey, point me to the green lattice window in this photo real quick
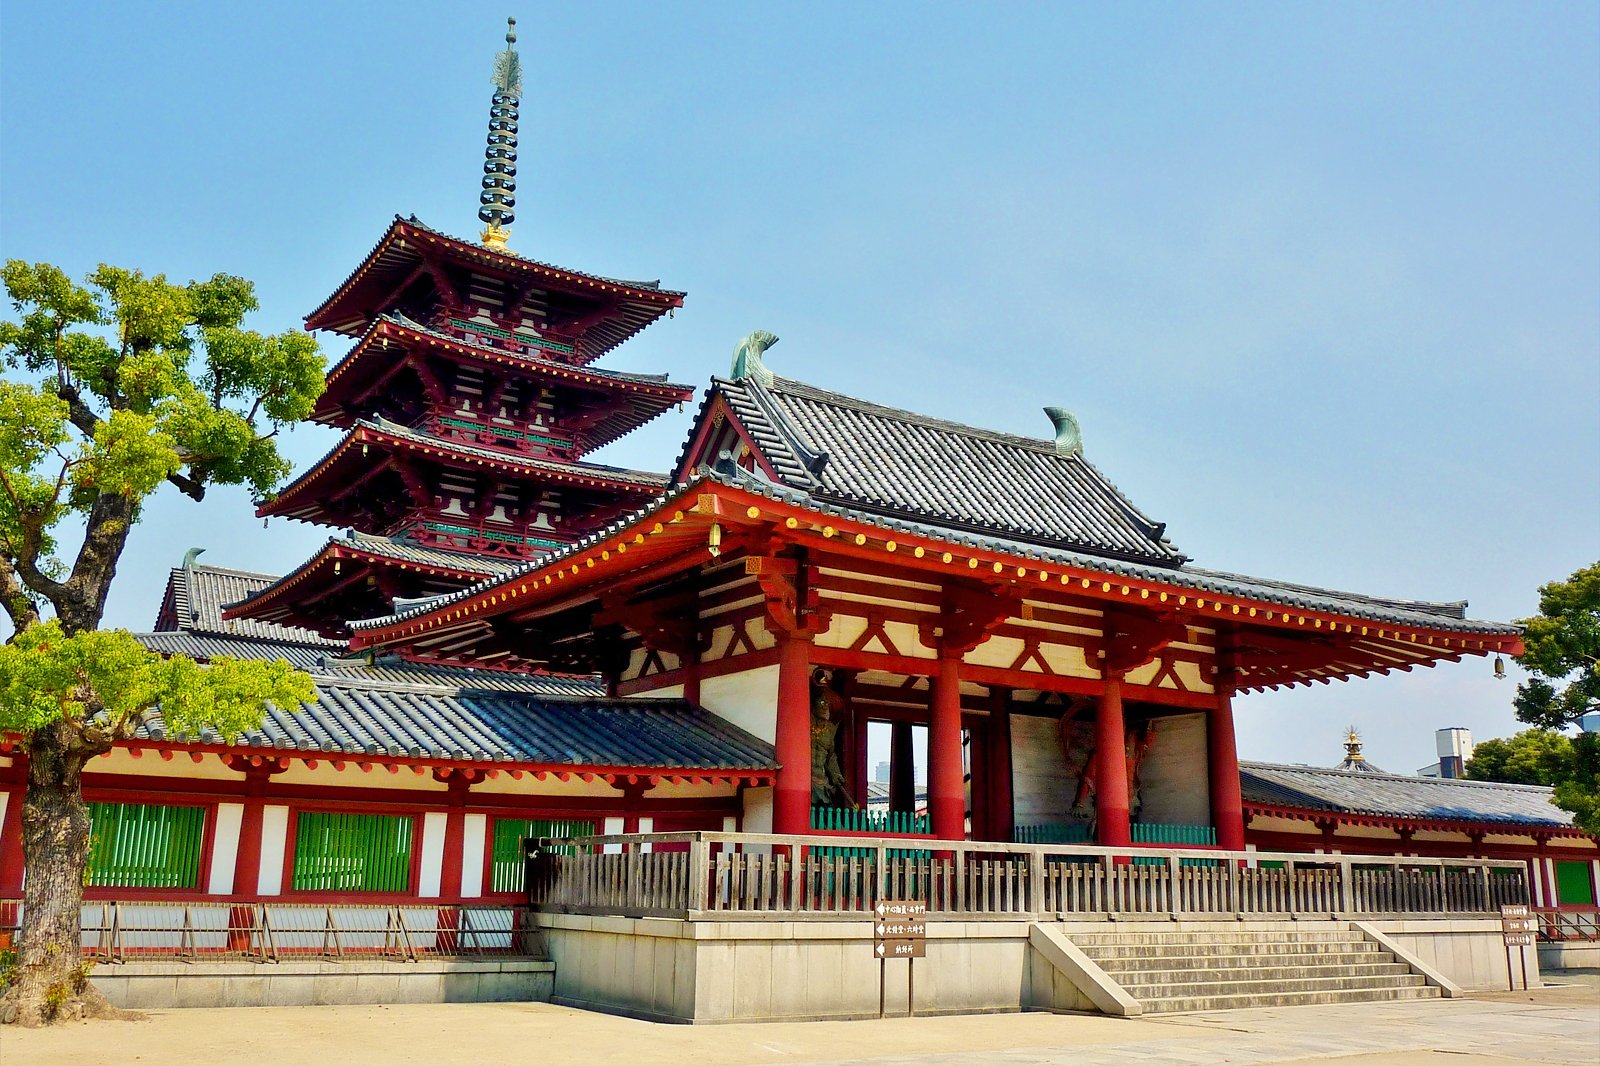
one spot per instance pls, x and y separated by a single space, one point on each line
1573 882
136 845
352 852
507 865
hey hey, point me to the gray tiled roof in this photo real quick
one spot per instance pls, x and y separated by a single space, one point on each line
404 551
355 717
203 646
197 594
1450 617
894 462
326 662
1393 796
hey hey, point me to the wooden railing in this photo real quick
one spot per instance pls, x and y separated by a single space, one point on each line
750 875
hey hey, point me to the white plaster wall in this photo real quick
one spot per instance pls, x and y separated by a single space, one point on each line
748 699
612 827
432 873
757 816
1039 786
472 847
274 838
1173 779
224 845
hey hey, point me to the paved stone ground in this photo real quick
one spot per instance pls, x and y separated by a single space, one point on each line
1554 1025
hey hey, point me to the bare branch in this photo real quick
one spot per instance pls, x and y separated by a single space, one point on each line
194 488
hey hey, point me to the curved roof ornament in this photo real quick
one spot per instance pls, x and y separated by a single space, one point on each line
1069 436
747 362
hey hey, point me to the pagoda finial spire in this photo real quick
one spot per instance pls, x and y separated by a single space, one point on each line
500 158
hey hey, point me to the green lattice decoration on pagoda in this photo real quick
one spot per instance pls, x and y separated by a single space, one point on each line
492 535
508 335
505 432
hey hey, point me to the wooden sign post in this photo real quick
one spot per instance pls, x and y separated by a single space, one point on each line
1518 928
899 931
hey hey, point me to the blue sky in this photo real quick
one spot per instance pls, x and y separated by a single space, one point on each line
1322 283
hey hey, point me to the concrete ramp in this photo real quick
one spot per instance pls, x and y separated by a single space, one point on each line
1050 943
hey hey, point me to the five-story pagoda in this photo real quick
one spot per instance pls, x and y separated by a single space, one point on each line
468 403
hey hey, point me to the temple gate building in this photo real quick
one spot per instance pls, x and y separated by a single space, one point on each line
511 641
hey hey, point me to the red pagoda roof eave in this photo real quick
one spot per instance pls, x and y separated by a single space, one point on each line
366 434
510 264
332 552
667 390
1391 821
597 557
593 770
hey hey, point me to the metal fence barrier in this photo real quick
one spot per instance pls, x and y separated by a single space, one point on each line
115 931
1558 926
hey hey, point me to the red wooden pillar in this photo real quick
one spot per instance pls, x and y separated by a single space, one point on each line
1111 767
690 663
247 862
11 859
947 794
691 681
1222 764
791 799
455 835
997 767
247 859
862 773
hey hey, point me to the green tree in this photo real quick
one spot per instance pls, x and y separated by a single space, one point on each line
1562 653
1579 792
1531 757
115 388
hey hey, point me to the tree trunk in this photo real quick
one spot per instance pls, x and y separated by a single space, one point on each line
50 981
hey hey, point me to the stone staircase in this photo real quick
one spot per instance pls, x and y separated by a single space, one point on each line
1222 966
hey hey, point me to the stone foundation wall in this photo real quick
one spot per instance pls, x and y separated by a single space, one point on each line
726 971
164 984
1469 951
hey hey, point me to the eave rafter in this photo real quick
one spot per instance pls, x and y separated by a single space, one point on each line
272 761
1272 644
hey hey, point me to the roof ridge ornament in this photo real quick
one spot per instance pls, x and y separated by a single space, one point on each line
747 363
1069 436
1354 760
500 157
